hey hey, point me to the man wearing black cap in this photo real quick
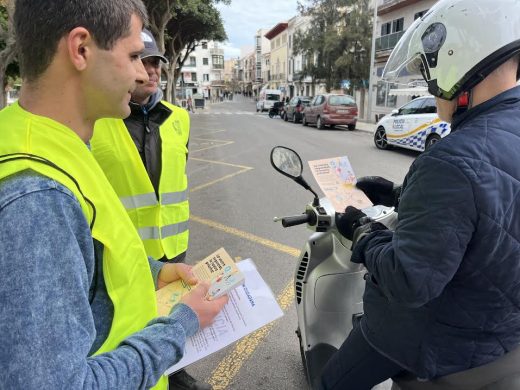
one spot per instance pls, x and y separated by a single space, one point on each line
144 157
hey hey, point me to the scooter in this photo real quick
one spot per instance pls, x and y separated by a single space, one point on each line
329 291
276 109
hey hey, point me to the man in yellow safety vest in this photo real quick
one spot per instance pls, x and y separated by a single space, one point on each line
144 158
77 288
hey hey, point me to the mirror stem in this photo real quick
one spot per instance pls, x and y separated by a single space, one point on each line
301 181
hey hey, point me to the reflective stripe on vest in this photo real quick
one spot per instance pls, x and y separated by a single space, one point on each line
162 223
126 269
143 200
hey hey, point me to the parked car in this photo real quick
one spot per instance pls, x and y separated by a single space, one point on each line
294 109
331 110
267 98
413 126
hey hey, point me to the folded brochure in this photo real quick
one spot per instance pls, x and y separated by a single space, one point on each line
217 265
251 306
336 179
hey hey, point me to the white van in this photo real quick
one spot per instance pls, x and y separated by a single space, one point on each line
267 98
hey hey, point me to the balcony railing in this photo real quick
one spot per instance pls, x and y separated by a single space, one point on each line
216 52
218 66
387 42
278 76
386 6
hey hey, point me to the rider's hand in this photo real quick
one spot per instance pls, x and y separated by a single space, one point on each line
171 272
349 221
205 310
380 191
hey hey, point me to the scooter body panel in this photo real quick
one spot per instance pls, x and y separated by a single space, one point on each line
325 271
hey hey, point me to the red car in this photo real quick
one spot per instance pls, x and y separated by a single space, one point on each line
331 110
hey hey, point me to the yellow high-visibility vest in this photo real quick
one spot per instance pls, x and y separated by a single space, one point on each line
34 142
162 221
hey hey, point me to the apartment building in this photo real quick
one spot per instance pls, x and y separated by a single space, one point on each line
393 18
262 55
203 71
248 72
297 83
278 59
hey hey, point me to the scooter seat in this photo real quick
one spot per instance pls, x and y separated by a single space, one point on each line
502 374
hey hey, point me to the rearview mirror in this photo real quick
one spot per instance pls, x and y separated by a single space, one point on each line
287 162
395 112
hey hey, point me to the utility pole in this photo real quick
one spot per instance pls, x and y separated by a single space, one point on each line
372 59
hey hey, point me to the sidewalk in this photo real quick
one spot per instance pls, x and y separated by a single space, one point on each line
366 126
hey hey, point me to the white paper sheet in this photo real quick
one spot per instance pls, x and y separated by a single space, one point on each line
250 307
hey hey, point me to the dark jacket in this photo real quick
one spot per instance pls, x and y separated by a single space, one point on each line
444 290
143 125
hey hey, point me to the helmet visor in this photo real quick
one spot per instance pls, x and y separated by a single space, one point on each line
405 59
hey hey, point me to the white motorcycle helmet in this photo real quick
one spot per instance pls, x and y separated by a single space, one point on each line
457 44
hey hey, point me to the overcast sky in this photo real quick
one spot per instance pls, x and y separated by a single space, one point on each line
243 18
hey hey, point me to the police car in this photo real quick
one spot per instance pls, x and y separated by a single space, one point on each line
413 126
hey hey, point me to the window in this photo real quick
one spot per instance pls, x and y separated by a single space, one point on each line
414 107
205 77
204 45
193 61
386 28
319 100
429 106
218 61
397 25
419 14
194 77
341 101
382 96
205 61
290 36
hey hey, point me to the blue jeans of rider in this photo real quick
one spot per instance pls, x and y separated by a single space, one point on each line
357 366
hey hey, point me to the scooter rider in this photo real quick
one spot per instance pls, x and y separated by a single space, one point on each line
442 291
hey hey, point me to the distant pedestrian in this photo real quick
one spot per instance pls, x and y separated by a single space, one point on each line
189 105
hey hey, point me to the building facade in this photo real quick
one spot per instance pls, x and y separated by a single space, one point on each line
298 85
393 18
262 51
203 72
278 59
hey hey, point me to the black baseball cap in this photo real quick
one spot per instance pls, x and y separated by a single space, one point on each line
150 47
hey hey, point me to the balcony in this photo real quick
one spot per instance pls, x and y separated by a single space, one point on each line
388 42
218 66
386 6
216 52
218 83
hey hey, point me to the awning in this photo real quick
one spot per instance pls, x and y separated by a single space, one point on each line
415 91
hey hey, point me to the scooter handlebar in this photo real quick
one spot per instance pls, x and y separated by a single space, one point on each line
295 220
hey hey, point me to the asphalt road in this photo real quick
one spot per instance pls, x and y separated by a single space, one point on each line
234 195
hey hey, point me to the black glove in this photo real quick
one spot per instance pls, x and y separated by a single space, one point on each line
349 221
380 191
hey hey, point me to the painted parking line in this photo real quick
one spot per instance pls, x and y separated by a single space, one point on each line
220 162
247 236
209 133
229 367
202 186
243 169
217 144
